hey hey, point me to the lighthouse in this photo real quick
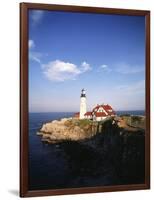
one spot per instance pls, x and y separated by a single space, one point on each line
83 104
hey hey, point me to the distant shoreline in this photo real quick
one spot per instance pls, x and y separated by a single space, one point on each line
131 112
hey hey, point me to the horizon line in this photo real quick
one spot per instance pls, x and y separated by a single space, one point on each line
78 111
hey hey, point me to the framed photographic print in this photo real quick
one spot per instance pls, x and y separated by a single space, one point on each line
85 99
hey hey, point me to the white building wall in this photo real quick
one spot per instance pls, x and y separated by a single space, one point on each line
100 118
88 117
83 107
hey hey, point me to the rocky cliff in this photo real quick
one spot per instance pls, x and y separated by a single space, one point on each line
74 129
110 152
67 129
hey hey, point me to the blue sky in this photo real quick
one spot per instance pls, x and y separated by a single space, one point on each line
105 54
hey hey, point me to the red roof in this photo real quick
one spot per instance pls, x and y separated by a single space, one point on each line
108 111
76 114
100 114
96 108
106 107
88 113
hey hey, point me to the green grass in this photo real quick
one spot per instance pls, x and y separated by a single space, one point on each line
78 122
84 122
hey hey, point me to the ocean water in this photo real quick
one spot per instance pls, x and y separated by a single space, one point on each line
48 163
131 112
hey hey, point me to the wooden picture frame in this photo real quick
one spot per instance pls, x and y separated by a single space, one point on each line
24 94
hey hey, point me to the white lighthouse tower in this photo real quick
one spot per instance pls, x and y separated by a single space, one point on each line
83 104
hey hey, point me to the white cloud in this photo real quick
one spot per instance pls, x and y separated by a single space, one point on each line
57 70
31 44
37 15
60 71
85 66
35 56
104 68
124 68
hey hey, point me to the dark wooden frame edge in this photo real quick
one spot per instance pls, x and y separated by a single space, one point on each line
24 192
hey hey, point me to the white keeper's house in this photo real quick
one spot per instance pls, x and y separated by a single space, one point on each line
99 112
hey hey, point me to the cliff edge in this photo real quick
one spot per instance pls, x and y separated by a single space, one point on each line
67 129
72 129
